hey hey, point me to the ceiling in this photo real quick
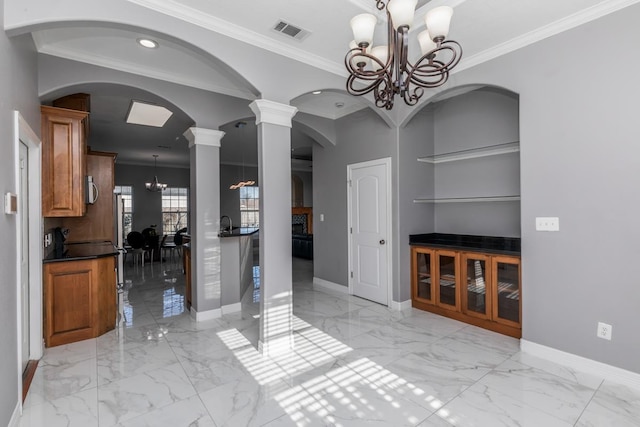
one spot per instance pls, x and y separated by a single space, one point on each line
485 29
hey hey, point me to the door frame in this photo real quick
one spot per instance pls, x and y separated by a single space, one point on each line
24 133
386 162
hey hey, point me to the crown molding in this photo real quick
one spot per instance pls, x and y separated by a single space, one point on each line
137 68
552 29
212 23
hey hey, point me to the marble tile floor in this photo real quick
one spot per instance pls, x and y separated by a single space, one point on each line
355 363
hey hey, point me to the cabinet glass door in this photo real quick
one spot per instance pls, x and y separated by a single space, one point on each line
423 260
447 279
506 273
476 285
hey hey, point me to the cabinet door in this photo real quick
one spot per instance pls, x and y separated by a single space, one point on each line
447 280
506 295
476 285
63 162
422 275
107 294
70 295
97 222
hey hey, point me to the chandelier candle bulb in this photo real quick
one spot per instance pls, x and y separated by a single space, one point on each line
382 53
426 42
438 21
402 12
363 26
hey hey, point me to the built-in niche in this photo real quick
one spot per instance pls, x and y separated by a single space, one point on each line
475 164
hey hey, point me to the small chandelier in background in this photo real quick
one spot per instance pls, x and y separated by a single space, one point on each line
155 185
243 183
386 69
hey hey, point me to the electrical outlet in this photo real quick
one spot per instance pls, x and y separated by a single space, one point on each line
48 239
604 331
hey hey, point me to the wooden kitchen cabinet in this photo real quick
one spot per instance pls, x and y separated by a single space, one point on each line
79 300
97 224
63 162
481 289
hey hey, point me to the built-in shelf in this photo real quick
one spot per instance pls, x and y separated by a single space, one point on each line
473 153
470 199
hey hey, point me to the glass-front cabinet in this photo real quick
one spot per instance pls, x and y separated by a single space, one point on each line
476 285
448 291
506 298
483 289
422 285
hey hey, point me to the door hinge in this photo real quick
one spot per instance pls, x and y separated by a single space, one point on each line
352 274
21 164
349 183
351 230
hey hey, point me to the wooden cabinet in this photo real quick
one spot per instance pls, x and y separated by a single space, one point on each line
477 288
79 300
98 222
63 162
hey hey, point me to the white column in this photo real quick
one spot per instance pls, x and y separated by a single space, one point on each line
274 164
204 196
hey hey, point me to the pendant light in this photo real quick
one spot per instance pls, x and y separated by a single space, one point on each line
243 182
155 185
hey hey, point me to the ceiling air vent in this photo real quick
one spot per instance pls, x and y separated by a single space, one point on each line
289 30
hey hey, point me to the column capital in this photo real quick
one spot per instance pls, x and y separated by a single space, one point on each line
272 112
202 136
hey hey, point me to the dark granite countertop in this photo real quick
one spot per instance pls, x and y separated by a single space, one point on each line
240 231
487 244
82 251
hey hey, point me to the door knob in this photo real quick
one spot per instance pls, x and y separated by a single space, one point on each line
382 242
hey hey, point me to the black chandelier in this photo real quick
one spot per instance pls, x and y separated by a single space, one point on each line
386 69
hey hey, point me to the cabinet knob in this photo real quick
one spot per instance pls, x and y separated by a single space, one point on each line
382 242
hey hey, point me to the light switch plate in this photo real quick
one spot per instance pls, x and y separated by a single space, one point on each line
547 223
10 203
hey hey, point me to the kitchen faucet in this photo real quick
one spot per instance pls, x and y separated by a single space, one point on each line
230 229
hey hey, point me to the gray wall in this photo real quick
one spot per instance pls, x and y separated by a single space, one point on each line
414 180
579 161
476 119
18 91
360 137
147 206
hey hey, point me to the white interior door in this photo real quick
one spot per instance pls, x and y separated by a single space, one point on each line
369 213
24 253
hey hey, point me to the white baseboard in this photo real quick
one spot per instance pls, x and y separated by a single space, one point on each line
15 418
231 308
203 316
400 306
322 285
579 363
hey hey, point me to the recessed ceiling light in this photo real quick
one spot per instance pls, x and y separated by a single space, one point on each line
141 113
148 43
316 92
339 104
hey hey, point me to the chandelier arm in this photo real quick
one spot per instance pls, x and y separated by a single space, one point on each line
435 78
430 67
373 86
380 4
359 72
